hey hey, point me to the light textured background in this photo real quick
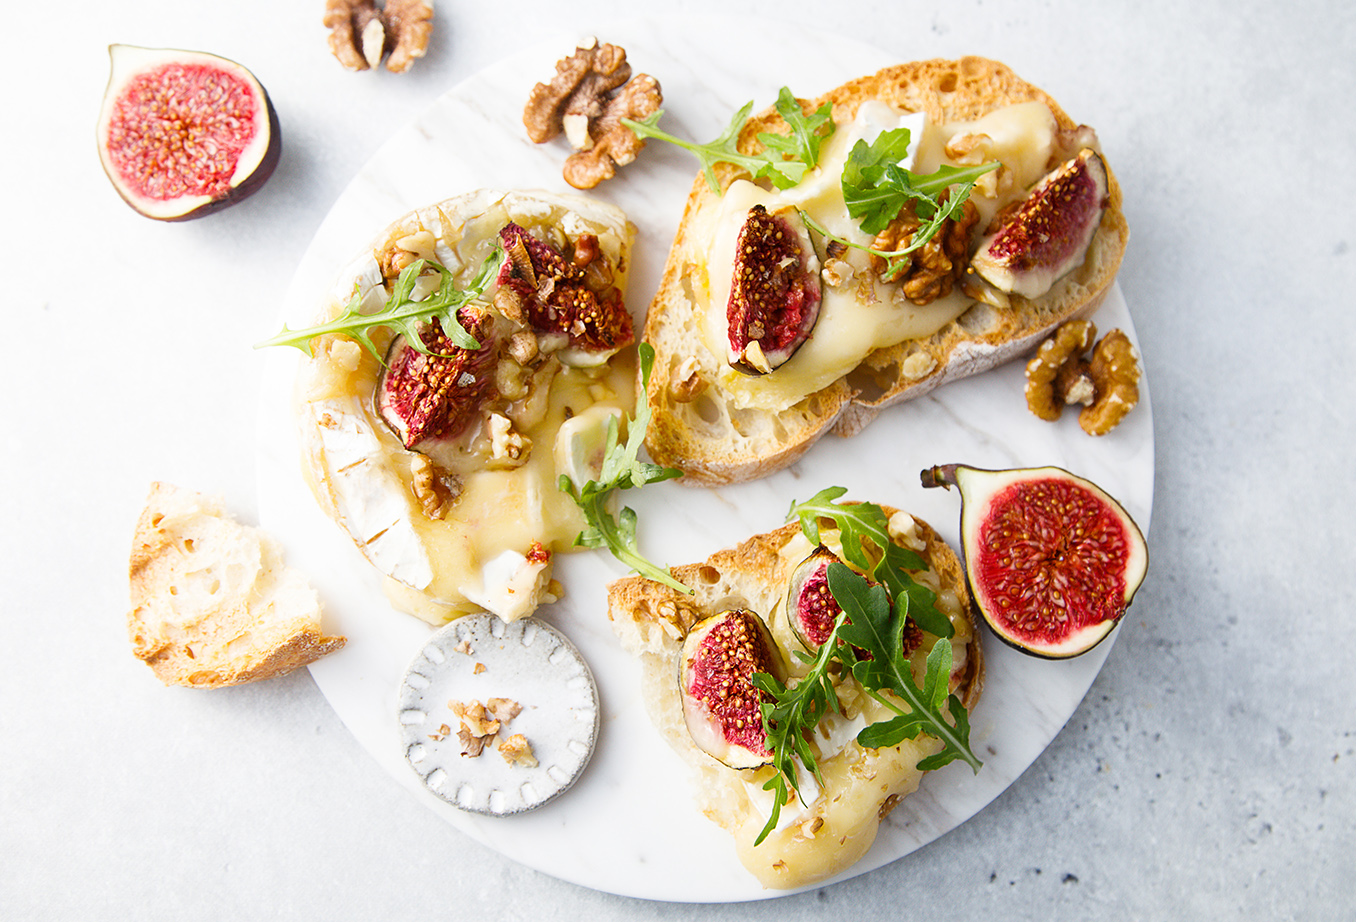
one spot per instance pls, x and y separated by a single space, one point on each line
1208 774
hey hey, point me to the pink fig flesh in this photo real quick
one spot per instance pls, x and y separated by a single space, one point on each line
810 606
435 395
721 705
812 610
1048 234
775 291
1052 559
184 133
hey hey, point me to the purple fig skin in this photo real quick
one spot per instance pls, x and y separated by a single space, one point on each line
1053 561
1048 235
721 705
176 123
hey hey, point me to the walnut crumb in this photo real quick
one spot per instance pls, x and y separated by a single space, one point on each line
517 751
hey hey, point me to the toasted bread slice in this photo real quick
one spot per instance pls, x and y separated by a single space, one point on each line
837 827
213 604
471 525
705 422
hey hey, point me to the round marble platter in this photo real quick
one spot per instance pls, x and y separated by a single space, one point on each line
628 825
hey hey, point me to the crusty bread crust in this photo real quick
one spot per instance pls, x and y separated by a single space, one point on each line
651 621
714 443
212 602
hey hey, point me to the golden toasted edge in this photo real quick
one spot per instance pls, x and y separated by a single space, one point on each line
961 89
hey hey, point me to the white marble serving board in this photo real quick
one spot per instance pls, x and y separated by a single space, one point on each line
629 825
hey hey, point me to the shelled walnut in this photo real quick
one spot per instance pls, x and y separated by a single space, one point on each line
361 35
933 269
591 93
1107 384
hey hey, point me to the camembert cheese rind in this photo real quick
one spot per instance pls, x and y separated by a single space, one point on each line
469 523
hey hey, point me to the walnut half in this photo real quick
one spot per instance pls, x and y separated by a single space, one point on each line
591 93
1107 384
361 35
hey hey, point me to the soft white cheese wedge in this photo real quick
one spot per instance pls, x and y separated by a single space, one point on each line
369 497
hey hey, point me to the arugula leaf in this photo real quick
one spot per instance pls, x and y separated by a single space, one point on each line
721 150
799 150
622 469
785 159
876 188
787 717
872 628
864 526
402 314
868 640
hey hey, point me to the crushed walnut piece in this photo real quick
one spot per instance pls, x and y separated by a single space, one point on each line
933 269
480 723
516 750
361 34
1106 384
591 93
436 489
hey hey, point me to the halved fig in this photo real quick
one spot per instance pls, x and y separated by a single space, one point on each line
812 610
719 658
184 133
1053 561
426 396
775 291
1047 235
556 293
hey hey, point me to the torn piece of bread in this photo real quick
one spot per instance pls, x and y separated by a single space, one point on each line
876 341
836 827
213 604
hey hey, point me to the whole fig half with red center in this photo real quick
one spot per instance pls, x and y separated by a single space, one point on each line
812 610
775 291
720 657
1048 234
433 395
556 296
183 133
1053 561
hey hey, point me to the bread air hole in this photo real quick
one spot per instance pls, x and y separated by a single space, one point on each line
707 409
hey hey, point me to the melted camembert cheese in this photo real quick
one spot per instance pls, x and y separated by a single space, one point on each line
860 314
831 827
477 556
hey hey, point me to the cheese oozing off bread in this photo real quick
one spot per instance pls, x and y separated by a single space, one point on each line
834 827
876 341
213 604
456 501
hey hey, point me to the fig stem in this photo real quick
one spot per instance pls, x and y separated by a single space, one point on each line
942 475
